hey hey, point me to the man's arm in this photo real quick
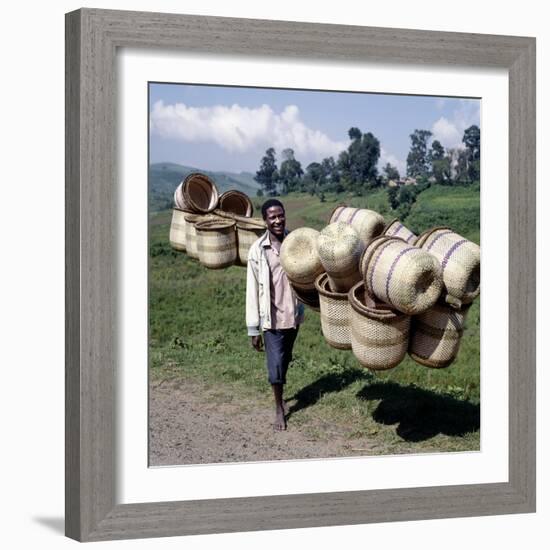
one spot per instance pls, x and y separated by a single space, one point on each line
252 297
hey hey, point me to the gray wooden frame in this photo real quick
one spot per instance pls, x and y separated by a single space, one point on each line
92 39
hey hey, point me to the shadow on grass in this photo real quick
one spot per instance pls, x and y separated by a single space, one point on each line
334 382
420 414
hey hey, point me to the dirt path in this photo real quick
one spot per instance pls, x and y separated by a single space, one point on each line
194 424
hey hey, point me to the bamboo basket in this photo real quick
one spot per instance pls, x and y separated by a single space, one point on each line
191 234
236 202
367 223
216 243
379 335
177 230
396 229
436 335
309 298
340 249
460 261
299 258
335 314
196 193
247 233
403 276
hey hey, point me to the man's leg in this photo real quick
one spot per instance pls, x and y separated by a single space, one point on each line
274 341
280 421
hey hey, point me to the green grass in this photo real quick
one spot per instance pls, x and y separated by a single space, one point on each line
197 331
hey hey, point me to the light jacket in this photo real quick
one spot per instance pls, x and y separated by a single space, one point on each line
258 295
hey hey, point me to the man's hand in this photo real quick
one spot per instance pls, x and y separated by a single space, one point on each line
257 342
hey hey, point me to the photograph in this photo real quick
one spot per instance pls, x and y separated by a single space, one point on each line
314 274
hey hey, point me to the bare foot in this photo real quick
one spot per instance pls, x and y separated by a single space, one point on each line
279 425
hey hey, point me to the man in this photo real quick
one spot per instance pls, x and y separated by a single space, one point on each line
271 306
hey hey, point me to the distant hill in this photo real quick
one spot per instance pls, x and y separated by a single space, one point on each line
164 177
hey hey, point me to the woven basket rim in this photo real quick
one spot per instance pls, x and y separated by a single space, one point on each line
214 225
250 225
387 314
422 238
322 287
229 192
215 192
182 210
429 363
389 224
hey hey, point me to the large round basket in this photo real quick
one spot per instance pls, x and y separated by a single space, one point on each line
335 314
340 249
309 298
300 259
396 229
436 335
460 261
367 223
177 230
191 221
402 276
196 193
248 232
216 243
379 335
236 202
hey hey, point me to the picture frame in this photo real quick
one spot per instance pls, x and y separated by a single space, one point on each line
92 39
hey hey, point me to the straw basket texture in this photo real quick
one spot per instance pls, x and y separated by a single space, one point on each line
177 230
247 233
216 243
236 202
379 335
335 314
340 249
436 335
309 298
299 258
396 229
405 277
460 262
196 193
367 223
191 221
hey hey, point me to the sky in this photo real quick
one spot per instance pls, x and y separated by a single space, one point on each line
220 128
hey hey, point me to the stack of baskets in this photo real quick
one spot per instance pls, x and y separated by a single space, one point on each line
216 230
385 292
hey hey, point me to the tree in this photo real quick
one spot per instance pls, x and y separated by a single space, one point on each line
472 142
418 163
268 175
392 197
441 164
314 178
290 173
391 172
462 175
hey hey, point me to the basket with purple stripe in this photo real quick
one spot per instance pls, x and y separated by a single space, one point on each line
367 223
460 261
396 229
403 276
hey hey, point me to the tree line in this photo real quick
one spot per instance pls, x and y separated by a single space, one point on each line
356 168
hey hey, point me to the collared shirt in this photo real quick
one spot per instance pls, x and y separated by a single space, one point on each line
282 297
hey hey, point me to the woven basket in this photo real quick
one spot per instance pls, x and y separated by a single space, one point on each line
396 229
236 202
196 193
403 276
191 221
247 233
177 230
335 314
436 335
379 335
460 262
340 249
216 243
299 258
367 223
309 298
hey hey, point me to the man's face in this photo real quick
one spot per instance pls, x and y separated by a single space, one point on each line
275 220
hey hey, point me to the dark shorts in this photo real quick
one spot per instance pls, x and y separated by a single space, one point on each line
278 350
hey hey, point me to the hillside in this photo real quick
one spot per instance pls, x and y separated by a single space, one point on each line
164 177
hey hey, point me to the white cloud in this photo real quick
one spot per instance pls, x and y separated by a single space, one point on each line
450 130
386 156
239 129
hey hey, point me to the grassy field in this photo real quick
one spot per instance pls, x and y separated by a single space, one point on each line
197 332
